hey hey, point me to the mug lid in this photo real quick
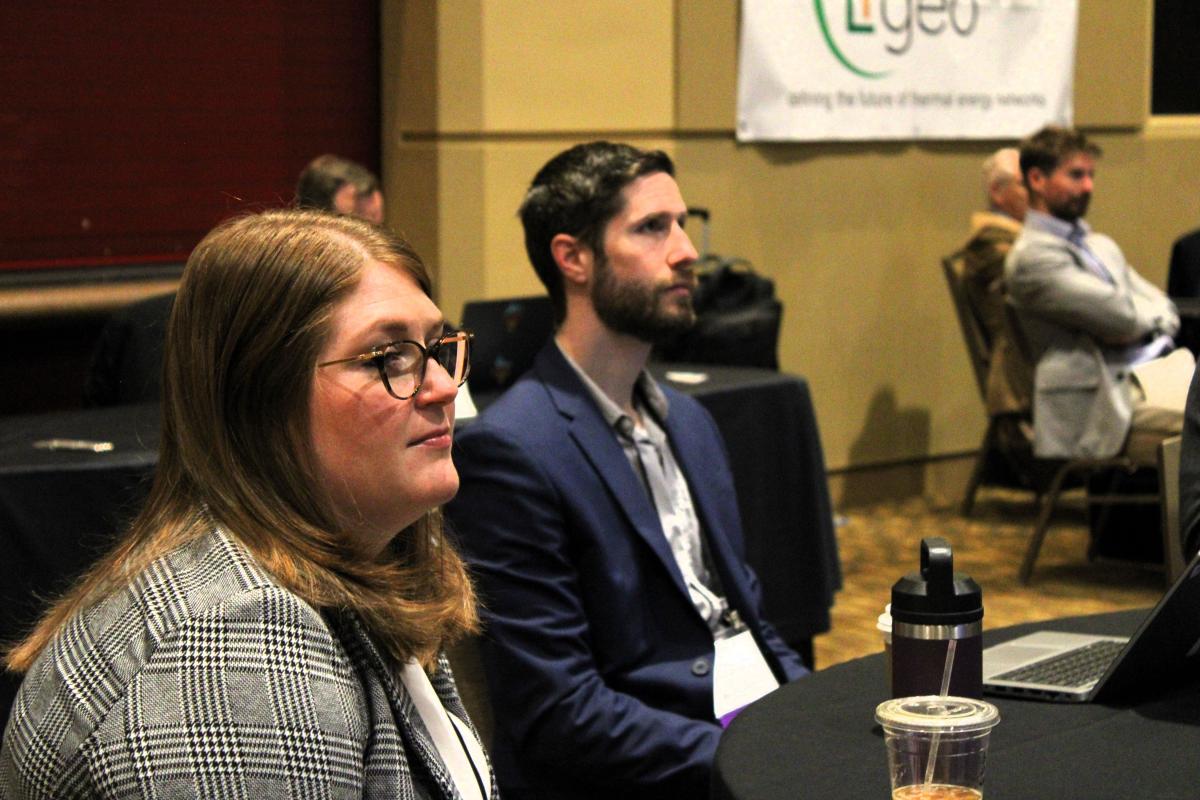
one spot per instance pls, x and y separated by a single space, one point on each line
937 595
934 713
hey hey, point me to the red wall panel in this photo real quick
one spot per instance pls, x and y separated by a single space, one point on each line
127 129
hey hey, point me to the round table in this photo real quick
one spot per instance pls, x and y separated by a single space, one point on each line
818 738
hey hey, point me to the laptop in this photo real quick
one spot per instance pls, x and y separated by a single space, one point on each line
508 335
1082 668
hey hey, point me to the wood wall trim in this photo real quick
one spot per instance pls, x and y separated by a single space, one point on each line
76 300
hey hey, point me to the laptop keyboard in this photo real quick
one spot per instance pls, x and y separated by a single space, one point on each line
1077 667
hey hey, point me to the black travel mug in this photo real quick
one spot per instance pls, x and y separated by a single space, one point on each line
931 609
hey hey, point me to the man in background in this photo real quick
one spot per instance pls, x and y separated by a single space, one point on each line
332 183
598 512
1010 377
1183 274
1108 378
1183 284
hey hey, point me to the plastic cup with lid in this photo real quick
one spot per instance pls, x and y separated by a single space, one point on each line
952 730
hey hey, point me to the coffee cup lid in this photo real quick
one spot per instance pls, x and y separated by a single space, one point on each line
937 713
884 621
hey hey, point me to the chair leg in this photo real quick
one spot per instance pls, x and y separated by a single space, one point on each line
1096 526
1043 522
968 503
989 436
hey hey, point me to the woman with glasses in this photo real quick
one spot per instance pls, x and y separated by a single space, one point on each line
273 623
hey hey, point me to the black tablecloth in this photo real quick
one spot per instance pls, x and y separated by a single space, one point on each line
817 738
1189 322
60 509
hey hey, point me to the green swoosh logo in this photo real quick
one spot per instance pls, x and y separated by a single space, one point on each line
834 48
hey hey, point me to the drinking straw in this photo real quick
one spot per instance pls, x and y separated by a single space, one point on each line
945 691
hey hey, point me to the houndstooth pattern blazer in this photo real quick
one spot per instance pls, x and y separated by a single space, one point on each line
205 678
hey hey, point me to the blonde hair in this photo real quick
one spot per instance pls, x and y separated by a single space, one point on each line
251 315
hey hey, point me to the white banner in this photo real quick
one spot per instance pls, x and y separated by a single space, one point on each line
904 69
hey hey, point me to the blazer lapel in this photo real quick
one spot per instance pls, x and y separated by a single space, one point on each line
417 741
598 444
714 519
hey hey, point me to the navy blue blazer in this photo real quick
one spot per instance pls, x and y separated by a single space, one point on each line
599 666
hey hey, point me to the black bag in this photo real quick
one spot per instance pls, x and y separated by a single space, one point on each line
737 315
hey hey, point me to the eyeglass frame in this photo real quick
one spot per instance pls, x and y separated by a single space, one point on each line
427 352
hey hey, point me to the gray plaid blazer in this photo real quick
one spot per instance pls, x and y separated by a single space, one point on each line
205 678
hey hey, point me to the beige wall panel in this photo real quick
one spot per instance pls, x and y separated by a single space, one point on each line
411 187
437 48
409 66
479 237
1112 63
462 69
1147 194
1171 205
706 72
510 168
853 236
460 209
577 65
435 199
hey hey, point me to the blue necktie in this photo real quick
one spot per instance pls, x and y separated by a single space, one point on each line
1093 263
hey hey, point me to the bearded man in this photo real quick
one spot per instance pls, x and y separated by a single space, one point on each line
598 512
1108 378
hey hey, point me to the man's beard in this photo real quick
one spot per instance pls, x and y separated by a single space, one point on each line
640 310
1071 209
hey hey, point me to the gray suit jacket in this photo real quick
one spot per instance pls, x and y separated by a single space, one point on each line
1078 326
205 678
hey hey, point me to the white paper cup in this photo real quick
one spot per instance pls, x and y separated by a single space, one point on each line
884 624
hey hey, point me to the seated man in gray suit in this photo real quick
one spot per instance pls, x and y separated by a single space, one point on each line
1108 378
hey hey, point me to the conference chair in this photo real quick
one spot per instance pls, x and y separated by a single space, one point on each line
1005 455
1168 471
127 364
1092 472
471 681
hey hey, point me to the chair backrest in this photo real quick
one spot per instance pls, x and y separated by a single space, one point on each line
1016 334
127 364
508 335
471 681
975 333
1168 476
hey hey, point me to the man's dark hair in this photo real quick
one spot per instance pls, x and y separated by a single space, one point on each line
324 175
1050 146
578 192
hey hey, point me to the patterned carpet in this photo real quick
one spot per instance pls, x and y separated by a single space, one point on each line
879 543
